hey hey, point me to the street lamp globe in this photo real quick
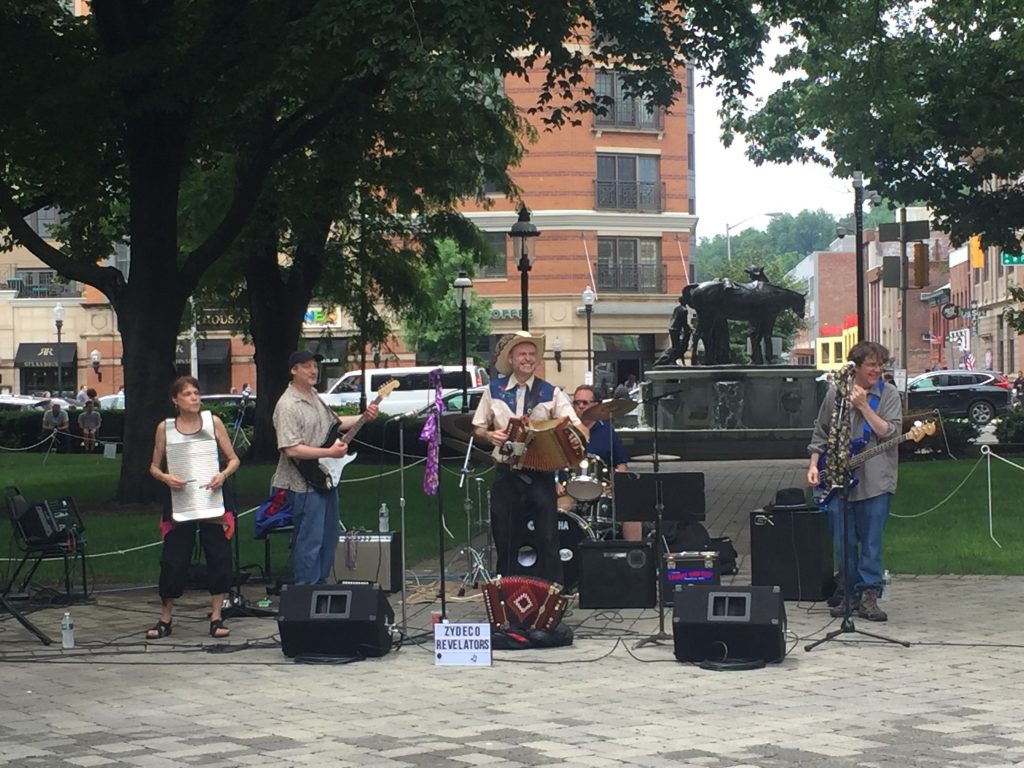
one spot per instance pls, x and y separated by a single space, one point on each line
462 287
524 235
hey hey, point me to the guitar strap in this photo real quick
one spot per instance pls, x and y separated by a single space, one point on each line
873 401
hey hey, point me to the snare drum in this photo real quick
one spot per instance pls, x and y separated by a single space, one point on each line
572 529
588 479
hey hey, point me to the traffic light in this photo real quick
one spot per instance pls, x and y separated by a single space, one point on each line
921 278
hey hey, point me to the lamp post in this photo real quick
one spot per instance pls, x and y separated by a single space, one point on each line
94 358
858 262
556 346
524 235
730 227
58 320
589 297
462 295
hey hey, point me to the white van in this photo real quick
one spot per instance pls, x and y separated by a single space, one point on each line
414 388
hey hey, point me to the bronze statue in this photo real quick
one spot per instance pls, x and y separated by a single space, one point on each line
679 335
758 302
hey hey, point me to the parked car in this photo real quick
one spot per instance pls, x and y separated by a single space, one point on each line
453 402
976 395
117 401
29 403
414 391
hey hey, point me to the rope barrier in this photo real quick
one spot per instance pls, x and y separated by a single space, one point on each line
48 439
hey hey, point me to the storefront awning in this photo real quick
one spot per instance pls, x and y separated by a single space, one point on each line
46 355
211 352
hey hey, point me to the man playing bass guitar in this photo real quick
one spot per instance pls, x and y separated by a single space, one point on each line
303 421
874 413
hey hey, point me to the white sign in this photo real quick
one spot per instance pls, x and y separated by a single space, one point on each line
462 645
899 375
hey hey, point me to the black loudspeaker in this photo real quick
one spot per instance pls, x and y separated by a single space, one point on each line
346 619
51 521
370 557
792 548
729 623
617 574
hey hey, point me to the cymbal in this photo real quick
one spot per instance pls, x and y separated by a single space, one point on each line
655 457
608 409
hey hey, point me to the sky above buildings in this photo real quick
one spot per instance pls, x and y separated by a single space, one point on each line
730 188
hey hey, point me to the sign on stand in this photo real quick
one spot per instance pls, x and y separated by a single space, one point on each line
462 645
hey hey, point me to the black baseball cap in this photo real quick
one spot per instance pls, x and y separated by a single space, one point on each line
300 356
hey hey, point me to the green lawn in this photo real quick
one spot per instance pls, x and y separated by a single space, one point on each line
951 539
92 481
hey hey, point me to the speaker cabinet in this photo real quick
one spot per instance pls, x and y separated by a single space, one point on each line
370 557
617 574
792 549
345 619
718 623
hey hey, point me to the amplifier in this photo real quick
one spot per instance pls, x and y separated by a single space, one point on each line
792 549
711 623
375 557
682 568
48 522
617 574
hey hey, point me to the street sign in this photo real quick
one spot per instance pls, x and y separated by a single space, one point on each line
1012 259
915 230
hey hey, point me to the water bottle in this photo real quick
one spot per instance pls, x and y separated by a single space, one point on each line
886 585
67 631
383 519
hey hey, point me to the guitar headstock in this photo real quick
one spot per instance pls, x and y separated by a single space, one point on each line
387 389
920 430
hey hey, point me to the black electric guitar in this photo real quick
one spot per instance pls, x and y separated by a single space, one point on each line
826 488
325 474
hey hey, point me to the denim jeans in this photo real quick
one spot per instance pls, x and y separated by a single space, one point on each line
865 523
316 535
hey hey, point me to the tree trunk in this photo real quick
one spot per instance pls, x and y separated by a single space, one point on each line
277 308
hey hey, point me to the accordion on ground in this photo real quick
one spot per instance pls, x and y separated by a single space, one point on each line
523 602
545 445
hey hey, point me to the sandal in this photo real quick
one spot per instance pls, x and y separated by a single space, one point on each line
160 629
218 626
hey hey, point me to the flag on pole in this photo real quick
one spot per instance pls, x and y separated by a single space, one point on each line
969 360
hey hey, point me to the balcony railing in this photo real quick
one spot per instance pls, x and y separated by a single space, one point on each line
631 278
629 117
40 284
629 195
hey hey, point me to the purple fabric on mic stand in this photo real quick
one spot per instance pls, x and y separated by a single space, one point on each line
431 434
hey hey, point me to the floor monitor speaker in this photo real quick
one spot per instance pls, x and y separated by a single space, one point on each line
617 574
792 549
715 623
349 619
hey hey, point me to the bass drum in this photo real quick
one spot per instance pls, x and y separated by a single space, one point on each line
572 529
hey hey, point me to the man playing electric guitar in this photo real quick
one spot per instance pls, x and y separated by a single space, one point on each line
873 412
302 421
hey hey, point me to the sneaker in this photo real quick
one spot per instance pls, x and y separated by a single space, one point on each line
869 607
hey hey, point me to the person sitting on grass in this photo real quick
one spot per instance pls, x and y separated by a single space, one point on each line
192 426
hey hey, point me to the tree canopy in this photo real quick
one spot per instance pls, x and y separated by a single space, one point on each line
926 99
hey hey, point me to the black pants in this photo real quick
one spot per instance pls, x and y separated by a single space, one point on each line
177 555
516 499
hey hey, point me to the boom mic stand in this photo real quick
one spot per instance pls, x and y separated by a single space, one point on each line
23 620
847 626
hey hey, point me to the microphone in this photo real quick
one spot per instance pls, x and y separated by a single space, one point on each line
406 415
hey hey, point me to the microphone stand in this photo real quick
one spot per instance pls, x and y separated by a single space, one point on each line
401 511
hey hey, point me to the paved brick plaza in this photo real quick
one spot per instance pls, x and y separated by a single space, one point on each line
953 699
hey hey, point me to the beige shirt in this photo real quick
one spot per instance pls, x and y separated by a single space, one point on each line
494 414
298 420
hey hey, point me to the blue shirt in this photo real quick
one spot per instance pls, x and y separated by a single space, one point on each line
599 445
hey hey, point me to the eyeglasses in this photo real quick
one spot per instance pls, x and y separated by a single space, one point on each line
582 402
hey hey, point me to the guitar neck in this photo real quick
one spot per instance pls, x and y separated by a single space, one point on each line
860 458
351 433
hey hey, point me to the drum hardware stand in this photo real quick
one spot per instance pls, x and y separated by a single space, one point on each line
847 626
475 567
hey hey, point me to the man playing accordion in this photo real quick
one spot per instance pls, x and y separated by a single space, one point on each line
520 495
